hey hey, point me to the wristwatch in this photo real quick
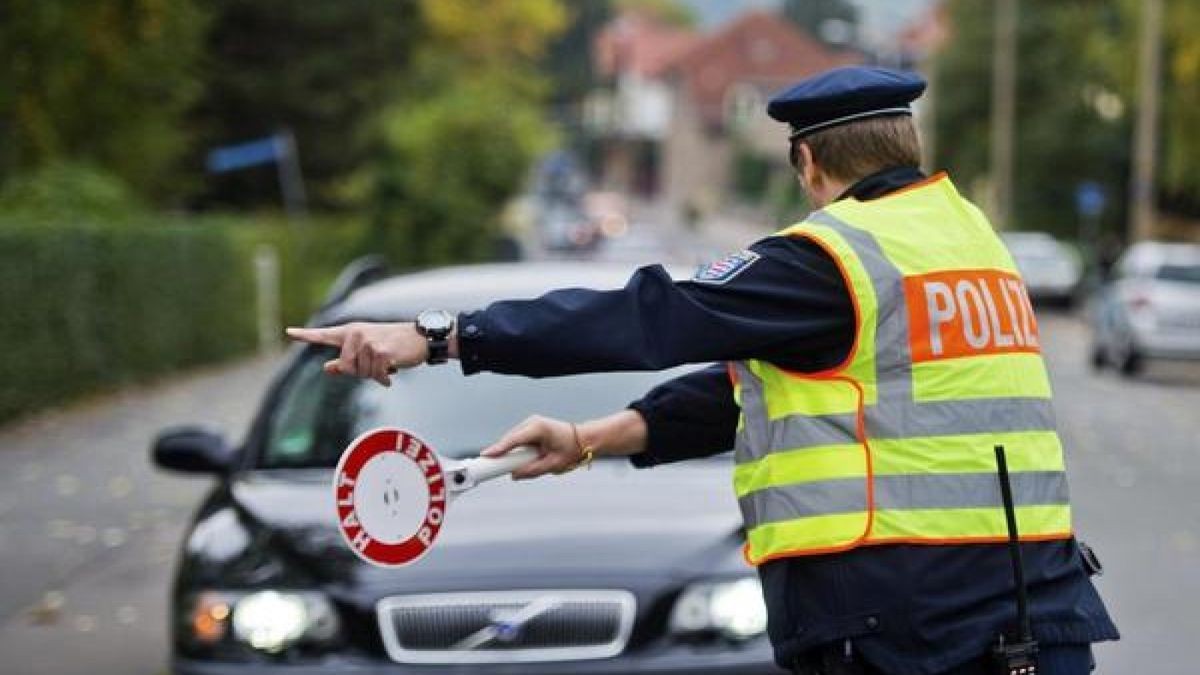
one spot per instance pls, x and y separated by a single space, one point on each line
436 325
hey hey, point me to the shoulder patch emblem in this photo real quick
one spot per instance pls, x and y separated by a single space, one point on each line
724 269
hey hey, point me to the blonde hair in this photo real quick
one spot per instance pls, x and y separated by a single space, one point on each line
850 152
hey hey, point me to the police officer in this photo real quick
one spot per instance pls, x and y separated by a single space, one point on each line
870 358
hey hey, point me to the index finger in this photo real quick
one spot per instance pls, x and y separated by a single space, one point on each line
318 336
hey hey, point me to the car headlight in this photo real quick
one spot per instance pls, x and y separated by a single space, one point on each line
732 608
268 621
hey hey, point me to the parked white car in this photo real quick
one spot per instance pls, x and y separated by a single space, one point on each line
1150 309
1051 269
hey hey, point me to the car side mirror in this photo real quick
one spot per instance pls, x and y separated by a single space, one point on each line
192 449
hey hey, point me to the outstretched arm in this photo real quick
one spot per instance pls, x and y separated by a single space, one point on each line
783 301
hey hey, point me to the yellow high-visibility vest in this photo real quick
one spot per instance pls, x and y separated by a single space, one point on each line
895 444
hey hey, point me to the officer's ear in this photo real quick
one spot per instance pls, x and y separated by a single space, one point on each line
806 171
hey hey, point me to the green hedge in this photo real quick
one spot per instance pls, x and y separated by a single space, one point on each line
92 307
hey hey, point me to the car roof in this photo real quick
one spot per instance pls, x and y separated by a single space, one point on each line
1027 236
1152 253
1028 241
468 287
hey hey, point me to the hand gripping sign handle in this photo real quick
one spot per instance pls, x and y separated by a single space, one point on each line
480 469
392 492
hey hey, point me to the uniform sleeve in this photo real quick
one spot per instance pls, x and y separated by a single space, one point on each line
788 305
688 417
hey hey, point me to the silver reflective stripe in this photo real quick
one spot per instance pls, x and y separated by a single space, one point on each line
914 420
923 491
966 416
893 359
968 490
759 437
752 437
819 498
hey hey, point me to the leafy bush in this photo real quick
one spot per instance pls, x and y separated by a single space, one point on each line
69 192
449 166
91 307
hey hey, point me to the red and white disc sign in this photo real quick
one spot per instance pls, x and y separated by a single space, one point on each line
391 497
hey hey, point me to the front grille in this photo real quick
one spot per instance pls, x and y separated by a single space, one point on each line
506 626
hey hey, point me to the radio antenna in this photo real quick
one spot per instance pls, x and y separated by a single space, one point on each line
1024 628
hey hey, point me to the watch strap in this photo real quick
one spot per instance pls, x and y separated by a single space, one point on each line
439 350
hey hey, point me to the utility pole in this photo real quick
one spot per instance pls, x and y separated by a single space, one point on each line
1145 137
1004 104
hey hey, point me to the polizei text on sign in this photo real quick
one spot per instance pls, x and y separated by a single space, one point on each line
391 497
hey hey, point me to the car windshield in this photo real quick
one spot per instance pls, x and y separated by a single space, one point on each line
317 415
1185 273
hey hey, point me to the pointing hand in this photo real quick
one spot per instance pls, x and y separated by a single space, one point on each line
369 350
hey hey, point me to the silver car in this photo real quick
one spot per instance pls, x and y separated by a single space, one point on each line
1051 269
1151 308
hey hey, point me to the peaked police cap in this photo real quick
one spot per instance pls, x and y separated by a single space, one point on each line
844 95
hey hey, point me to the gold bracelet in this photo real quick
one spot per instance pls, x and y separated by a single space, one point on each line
586 452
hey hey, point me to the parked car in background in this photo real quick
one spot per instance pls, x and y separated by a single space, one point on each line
1051 269
610 212
644 567
566 228
1150 309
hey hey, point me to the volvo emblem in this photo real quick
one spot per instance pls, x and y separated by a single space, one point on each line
506 625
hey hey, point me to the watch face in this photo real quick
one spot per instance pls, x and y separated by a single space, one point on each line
435 321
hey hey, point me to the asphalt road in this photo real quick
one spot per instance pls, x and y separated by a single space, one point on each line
88 530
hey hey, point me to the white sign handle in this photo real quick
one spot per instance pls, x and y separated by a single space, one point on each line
486 468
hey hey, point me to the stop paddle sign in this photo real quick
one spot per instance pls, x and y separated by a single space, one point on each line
392 492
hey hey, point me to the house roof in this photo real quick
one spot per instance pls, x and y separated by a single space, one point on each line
759 48
639 44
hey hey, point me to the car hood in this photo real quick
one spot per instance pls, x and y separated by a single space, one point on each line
610 521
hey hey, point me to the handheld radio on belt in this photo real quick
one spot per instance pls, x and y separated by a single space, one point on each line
1014 655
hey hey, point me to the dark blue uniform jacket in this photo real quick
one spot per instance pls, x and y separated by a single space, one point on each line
909 610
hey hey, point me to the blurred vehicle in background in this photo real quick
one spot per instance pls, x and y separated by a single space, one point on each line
1150 309
609 211
566 228
629 571
1052 270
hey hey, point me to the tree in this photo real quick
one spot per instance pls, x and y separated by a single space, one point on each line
669 12
459 140
568 59
1077 67
1180 175
1066 129
321 69
101 82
